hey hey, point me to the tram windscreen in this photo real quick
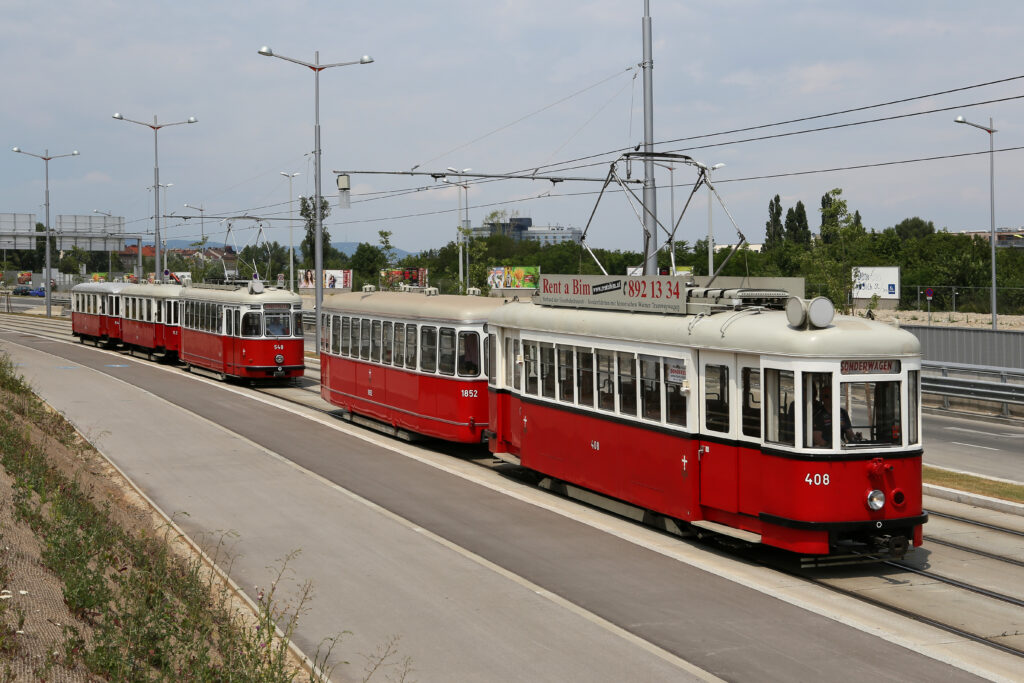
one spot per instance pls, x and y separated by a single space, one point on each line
872 414
252 324
279 325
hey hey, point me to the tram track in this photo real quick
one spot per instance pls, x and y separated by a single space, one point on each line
895 601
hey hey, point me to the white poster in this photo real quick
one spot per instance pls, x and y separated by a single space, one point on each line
881 280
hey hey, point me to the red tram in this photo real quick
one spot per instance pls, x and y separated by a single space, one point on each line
150 318
408 360
242 331
719 409
96 311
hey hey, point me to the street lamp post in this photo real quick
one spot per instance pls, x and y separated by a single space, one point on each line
45 156
463 281
156 181
291 232
711 233
672 214
318 247
110 261
992 202
202 220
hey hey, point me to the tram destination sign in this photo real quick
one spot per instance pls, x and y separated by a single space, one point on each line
642 294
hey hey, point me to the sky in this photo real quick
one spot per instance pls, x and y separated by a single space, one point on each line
501 87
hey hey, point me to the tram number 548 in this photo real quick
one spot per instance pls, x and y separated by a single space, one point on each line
817 479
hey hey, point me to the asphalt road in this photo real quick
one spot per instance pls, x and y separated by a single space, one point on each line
479 579
992 449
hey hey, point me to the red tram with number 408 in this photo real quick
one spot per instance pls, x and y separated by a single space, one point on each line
746 413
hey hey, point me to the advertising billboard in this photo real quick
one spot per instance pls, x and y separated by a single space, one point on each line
514 277
881 280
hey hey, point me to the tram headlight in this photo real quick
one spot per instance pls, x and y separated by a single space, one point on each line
876 500
279 359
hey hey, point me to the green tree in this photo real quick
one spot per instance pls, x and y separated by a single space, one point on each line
773 228
796 227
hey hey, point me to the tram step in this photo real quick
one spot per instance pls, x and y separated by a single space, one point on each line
748 536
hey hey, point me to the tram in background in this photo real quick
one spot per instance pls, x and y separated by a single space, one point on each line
410 361
748 413
150 318
96 311
243 331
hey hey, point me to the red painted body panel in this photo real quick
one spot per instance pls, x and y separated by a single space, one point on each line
96 326
246 358
151 336
434 405
729 484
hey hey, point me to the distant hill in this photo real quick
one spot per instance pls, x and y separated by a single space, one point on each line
347 248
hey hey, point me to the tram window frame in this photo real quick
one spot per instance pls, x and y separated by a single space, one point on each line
411 347
238 322
883 426
490 358
585 377
913 402
605 366
517 361
651 396
428 348
548 370
353 350
229 320
336 335
364 338
750 410
716 411
399 354
387 342
565 358
252 324
446 351
510 362
297 330
676 391
531 368
345 331
469 353
778 396
626 382
375 340
818 415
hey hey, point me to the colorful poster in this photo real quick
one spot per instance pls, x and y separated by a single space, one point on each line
514 277
414 277
25 278
338 279
99 277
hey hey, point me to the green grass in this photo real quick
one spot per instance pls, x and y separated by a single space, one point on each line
971 484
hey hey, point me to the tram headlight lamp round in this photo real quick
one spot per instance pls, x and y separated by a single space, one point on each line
876 500
279 359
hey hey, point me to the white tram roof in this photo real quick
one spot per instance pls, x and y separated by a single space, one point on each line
413 306
156 291
743 331
100 287
238 295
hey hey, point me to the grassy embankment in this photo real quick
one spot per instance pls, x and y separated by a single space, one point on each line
141 610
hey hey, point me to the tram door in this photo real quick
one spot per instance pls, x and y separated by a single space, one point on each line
717 451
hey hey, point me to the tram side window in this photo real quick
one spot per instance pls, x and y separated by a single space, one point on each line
547 370
375 341
428 349
410 346
446 362
716 397
751 402
364 339
251 325
675 391
150 317
605 380
491 358
354 339
346 331
510 362
530 367
818 409
336 335
779 397
229 331
874 414
913 394
388 343
517 376
238 324
399 344
627 383
565 374
650 387
469 354
297 325
585 377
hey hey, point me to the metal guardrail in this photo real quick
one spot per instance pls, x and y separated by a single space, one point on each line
986 383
